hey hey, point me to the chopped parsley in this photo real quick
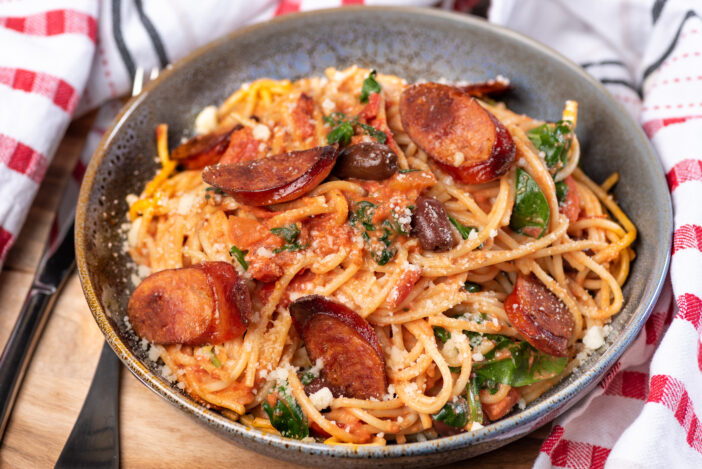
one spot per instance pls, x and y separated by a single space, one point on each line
239 255
289 234
370 85
410 170
343 129
214 360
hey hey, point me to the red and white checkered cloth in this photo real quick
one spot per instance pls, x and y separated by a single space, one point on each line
60 58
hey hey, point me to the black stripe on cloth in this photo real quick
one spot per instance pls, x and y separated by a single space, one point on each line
153 34
657 9
654 66
119 39
603 62
614 81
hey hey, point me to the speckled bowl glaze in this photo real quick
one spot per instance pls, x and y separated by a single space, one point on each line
416 44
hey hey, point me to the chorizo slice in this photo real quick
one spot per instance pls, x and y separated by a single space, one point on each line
539 316
491 87
275 179
303 116
242 147
203 150
353 362
458 133
205 303
501 408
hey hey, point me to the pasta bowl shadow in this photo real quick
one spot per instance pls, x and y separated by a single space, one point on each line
418 45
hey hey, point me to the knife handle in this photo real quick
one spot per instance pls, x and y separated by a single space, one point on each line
20 347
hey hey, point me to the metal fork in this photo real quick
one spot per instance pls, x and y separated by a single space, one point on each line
94 440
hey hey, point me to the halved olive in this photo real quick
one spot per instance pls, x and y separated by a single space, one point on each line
366 160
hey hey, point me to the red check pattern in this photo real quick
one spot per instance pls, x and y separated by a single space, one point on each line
686 170
57 90
22 158
52 23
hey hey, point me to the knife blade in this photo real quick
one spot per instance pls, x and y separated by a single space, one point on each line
55 266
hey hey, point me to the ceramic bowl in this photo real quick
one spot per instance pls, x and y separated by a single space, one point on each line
415 44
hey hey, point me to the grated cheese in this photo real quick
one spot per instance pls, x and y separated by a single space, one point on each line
322 399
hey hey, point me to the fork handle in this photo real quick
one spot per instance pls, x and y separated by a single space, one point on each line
20 347
94 440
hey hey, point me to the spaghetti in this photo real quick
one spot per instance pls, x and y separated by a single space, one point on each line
454 356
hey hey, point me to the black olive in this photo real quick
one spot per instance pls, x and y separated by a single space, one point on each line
430 223
366 160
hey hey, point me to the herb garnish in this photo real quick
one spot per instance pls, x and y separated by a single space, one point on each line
289 234
239 255
370 85
343 129
214 360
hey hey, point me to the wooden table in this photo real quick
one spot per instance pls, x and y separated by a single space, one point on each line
153 433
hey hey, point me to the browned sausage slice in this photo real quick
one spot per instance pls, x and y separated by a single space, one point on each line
353 362
539 316
203 150
501 408
491 87
457 132
206 303
275 179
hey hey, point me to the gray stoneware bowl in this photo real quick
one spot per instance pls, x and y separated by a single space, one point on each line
416 44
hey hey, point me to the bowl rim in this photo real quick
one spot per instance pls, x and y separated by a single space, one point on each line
505 429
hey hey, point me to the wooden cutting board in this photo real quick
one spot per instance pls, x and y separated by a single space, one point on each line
153 433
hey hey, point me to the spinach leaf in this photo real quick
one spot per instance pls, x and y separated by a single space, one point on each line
370 85
286 416
475 338
561 191
530 214
454 414
240 256
455 369
472 287
554 140
464 230
525 366
441 334
473 398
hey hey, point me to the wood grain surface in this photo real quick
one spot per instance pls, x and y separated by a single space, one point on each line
153 433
